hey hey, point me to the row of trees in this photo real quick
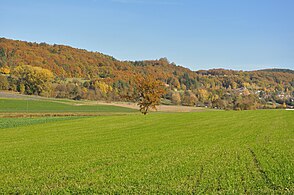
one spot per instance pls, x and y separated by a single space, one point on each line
146 90
227 101
38 81
28 80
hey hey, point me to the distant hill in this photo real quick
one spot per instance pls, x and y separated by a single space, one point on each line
92 75
68 62
278 70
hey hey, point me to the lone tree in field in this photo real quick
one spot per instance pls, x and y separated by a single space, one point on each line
149 92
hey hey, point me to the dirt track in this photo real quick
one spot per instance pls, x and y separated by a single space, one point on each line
161 108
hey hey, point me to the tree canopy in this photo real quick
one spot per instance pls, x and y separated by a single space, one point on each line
33 80
149 92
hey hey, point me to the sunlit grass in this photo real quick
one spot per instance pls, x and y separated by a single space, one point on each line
212 152
42 106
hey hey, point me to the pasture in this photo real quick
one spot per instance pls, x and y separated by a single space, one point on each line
10 105
247 152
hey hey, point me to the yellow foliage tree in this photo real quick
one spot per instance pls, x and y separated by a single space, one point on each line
203 94
103 87
34 80
5 70
176 98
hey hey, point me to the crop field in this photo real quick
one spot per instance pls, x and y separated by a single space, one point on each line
44 106
247 152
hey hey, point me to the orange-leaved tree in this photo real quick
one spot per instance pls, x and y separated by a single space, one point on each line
148 93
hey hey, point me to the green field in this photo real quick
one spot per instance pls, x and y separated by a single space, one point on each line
58 106
248 152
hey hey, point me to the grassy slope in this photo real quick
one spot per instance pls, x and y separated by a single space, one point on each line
230 152
33 106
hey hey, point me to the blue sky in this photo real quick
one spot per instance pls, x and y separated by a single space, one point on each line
198 34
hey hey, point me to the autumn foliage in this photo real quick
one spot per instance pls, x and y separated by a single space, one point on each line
80 74
32 80
149 92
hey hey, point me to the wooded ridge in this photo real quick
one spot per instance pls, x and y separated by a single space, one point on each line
79 74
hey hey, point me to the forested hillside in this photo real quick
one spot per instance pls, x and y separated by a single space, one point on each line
66 72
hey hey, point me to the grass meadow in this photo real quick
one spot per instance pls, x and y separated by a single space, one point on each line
247 152
9 105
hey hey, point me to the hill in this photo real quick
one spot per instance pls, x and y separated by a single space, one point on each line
80 74
278 70
68 62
